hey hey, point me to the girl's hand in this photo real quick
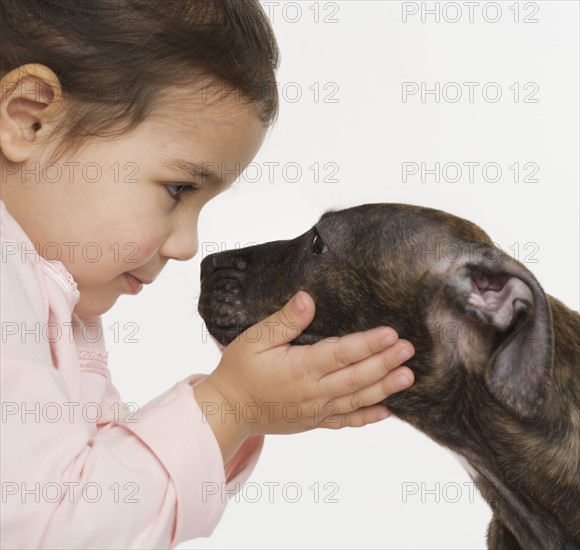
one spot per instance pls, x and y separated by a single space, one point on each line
268 386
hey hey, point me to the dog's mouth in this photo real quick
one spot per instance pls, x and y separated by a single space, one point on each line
224 336
228 320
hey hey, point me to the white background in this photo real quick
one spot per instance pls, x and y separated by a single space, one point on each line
367 53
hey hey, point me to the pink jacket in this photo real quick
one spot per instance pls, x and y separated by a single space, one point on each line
78 469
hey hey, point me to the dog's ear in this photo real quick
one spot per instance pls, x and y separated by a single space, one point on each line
510 310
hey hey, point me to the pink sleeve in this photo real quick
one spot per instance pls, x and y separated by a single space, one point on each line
195 463
152 482
74 475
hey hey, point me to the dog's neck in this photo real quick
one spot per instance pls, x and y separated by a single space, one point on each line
524 480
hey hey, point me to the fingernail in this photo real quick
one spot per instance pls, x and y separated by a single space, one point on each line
405 353
390 337
384 414
299 303
403 381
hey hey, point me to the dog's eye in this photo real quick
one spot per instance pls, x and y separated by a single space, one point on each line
318 246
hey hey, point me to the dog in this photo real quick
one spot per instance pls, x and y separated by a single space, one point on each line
497 374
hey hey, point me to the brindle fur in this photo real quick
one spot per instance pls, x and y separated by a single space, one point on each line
505 399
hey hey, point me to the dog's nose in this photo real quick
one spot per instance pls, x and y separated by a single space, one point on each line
240 264
222 260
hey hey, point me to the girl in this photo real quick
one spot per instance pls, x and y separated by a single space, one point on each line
119 121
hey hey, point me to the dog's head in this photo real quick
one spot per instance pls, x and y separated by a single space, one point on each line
474 315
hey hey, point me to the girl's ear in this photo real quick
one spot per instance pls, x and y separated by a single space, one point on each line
31 102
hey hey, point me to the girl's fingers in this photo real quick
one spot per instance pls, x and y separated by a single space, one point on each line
282 326
329 355
356 419
375 393
355 377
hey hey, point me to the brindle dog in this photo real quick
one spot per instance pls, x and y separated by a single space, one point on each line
497 375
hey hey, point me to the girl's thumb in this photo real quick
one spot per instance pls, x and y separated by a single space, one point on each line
286 324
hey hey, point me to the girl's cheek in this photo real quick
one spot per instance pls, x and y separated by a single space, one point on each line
146 248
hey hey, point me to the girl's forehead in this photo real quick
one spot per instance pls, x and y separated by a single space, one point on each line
223 134
191 121
187 120
218 103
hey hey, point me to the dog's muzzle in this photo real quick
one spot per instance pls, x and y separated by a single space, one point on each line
220 304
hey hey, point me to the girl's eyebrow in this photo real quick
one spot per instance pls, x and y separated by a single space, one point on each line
207 172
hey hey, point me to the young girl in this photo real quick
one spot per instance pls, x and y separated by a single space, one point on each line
119 122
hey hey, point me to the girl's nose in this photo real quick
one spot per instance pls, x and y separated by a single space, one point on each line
182 244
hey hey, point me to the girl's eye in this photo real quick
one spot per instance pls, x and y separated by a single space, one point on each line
318 246
175 190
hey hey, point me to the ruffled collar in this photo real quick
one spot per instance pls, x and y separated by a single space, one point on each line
61 275
54 269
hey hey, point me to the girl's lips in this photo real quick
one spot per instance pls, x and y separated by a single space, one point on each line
134 284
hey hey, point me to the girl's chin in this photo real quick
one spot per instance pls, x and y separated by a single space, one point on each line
94 304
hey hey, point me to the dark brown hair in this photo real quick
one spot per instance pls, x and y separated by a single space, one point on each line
114 58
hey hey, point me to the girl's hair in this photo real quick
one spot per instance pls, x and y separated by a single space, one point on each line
115 58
